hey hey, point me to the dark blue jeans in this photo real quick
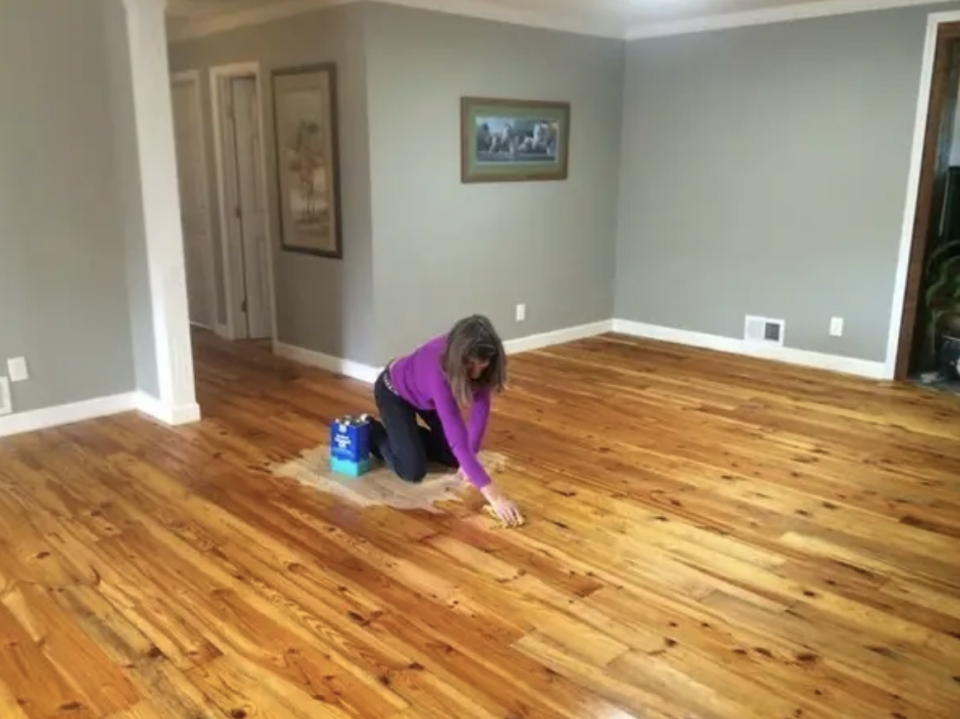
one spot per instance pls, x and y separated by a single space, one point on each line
401 442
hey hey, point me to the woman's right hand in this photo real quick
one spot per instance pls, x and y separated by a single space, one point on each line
505 508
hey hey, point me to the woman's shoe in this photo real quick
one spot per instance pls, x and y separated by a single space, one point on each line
378 434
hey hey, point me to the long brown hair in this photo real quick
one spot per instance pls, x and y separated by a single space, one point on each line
474 338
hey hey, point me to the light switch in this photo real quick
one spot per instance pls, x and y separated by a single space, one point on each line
17 369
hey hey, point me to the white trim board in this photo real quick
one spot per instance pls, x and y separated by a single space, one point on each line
805 358
767 16
913 186
32 421
35 420
367 373
556 337
224 22
64 414
149 405
591 23
160 198
596 24
337 365
192 78
218 76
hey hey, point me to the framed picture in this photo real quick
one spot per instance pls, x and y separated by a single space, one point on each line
514 140
308 163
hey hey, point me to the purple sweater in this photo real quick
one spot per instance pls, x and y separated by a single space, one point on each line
419 379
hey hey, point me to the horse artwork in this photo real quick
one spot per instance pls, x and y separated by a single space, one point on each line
514 140
504 139
305 123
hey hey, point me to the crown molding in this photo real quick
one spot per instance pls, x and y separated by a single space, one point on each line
596 25
768 16
188 29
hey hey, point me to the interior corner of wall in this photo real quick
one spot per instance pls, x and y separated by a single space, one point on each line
148 403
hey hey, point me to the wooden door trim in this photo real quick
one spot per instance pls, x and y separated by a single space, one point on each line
943 30
219 75
192 78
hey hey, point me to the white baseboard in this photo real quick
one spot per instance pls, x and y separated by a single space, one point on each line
34 420
337 365
557 337
369 374
153 407
819 360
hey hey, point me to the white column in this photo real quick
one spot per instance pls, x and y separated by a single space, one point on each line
147 35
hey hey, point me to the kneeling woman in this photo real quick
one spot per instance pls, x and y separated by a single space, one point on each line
460 369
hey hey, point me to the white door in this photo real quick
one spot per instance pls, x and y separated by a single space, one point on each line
252 214
195 219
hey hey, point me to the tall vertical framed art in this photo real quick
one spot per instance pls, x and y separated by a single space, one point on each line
308 161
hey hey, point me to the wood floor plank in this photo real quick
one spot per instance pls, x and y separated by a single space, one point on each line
77 657
708 537
33 680
169 692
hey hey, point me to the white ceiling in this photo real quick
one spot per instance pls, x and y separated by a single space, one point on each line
617 18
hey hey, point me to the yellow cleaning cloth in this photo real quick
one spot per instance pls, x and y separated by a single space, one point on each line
500 523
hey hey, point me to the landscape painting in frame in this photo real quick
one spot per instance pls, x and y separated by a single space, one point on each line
514 140
308 177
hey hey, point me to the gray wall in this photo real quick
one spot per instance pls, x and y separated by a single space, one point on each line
322 304
764 172
757 170
443 249
63 296
127 172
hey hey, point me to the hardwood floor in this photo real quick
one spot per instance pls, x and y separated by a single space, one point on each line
709 537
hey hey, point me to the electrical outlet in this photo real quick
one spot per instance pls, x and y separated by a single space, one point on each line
836 326
17 369
6 404
521 313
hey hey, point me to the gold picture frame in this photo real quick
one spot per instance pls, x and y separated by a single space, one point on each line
504 140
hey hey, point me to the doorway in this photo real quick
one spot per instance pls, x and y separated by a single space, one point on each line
248 287
194 199
930 318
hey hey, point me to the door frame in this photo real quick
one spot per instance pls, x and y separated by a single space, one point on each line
942 28
192 77
219 76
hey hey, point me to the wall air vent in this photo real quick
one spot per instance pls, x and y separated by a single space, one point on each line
762 330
